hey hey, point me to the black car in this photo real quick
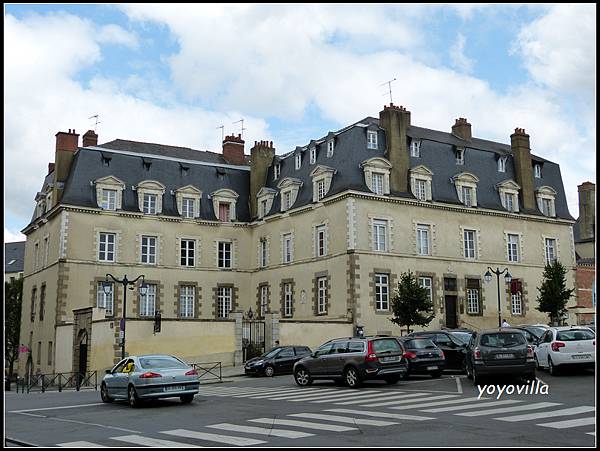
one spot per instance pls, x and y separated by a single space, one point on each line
278 360
532 333
452 343
423 356
501 351
353 360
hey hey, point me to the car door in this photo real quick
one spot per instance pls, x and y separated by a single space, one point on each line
333 362
541 351
117 380
284 361
316 364
451 350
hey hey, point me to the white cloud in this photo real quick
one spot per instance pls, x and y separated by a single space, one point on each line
11 236
114 34
458 57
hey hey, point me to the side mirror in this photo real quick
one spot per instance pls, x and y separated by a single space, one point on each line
314 354
108 371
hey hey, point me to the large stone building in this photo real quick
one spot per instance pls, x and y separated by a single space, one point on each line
313 240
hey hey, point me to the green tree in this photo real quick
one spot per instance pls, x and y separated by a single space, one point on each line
554 294
411 304
13 299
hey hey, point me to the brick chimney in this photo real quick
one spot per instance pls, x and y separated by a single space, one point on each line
90 138
395 120
261 157
519 145
462 129
66 146
587 208
233 149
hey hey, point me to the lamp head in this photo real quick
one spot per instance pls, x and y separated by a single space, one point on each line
488 276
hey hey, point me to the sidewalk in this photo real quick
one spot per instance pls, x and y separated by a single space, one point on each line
227 373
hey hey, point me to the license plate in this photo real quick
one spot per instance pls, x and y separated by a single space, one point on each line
429 368
174 387
505 356
581 356
390 359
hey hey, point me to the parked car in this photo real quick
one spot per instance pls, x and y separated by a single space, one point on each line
532 334
138 378
352 361
452 343
560 347
501 351
278 360
535 329
423 356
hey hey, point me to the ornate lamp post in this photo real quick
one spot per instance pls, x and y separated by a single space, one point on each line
507 278
107 288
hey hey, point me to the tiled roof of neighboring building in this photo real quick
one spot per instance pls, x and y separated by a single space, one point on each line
14 256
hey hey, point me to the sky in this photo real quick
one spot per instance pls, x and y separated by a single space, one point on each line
173 74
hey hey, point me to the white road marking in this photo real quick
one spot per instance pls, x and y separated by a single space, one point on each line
56 408
396 416
436 403
80 444
556 413
294 396
402 396
340 396
458 384
149 441
340 419
539 405
229 439
591 433
282 392
304 424
263 431
477 405
569 423
407 401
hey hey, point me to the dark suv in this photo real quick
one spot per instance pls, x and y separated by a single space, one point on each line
452 343
277 361
352 361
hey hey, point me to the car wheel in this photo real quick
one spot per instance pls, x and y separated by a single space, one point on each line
390 380
186 399
104 393
436 374
132 397
551 368
302 377
269 371
352 377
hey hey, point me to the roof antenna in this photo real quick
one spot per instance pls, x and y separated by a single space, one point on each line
97 121
242 121
389 83
222 127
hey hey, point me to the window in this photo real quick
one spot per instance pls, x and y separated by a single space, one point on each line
516 303
460 156
509 201
224 298
421 189
262 253
322 177
377 183
382 289
513 248
372 140
550 250
263 208
298 160
224 258
109 199
322 295
467 193
148 301
287 200
264 300
330 147
321 244
547 207
377 174
380 235
224 212
287 248
415 148
186 301
423 239
49 353
537 171
36 255
106 247
320 189
187 207
502 164
469 243
473 301
150 204
313 155
33 294
276 171
103 300
288 301
427 283
39 353
149 250
188 253
42 301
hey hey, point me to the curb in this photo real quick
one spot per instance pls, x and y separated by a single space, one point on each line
18 442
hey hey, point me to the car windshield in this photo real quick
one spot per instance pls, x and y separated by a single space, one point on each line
271 353
420 343
575 335
386 345
161 362
535 330
503 339
463 337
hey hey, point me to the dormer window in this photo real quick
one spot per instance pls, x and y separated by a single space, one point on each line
188 201
150 197
109 199
313 155
265 201
224 204
330 148
289 188
109 193
371 139
460 156
466 188
377 179
377 174
147 163
298 160
502 164
537 171
150 204
276 171
545 199
184 169
420 182
322 177
187 207
467 196
224 212
415 148
509 195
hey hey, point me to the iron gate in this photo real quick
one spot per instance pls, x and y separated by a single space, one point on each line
253 338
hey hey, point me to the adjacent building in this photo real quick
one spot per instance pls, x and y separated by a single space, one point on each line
313 240
14 255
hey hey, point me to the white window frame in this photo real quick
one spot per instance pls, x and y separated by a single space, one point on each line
287 242
470 244
322 177
103 255
502 164
513 247
224 301
313 155
322 295
372 140
466 180
288 189
109 199
330 148
460 157
264 300
382 292
467 195
427 283
146 248
380 235
288 300
321 240
298 160
262 252
185 260
415 148
378 182
546 194
320 189
550 247
148 300
276 171
421 189
473 301
150 203
103 300
423 239
377 165
187 295
109 183
516 303
188 207
537 171
225 254
225 196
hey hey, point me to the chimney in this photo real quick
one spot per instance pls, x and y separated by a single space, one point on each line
261 157
462 129
395 121
519 145
587 208
233 149
90 138
50 167
66 147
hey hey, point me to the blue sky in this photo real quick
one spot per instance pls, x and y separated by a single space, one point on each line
173 74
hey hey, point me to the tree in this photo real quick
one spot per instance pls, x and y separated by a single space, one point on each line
410 304
554 294
13 299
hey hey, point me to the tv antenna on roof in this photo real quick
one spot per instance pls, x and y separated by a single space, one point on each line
97 121
389 83
242 121
222 127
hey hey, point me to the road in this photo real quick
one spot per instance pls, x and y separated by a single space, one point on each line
275 412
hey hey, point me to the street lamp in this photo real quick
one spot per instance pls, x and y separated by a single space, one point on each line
107 288
488 278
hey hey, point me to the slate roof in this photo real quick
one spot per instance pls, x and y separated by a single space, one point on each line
14 256
208 171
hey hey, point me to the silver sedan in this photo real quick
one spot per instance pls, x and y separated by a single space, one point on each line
137 378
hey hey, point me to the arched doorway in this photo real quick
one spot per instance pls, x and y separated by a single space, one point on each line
82 345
